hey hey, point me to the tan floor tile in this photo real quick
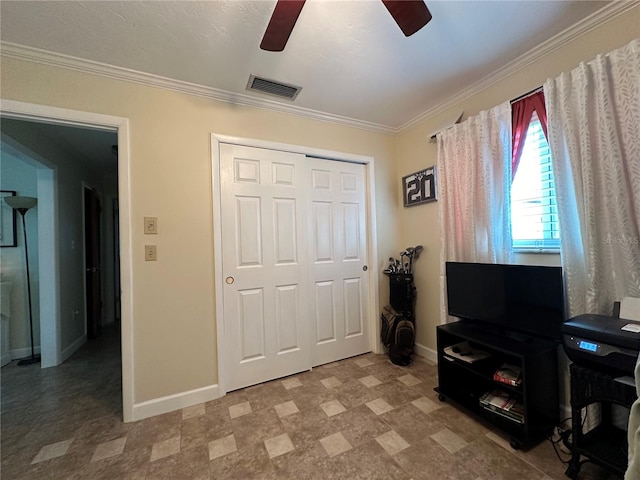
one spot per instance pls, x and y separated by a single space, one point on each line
449 440
286 409
335 444
222 446
468 427
392 442
109 449
411 424
306 462
369 462
409 380
359 425
429 461
397 393
256 427
363 362
500 440
194 411
52 451
272 393
379 406
212 445
131 464
490 461
188 464
426 405
334 407
331 382
155 429
293 382
202 429
165 448
385 371
279 445
370 381
239 409
249 463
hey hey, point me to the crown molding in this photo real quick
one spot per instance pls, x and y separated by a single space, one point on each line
606 13
45 57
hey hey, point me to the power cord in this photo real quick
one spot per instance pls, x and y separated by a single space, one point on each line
559 438
561 433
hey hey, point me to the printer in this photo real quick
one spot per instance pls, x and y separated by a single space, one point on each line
602 342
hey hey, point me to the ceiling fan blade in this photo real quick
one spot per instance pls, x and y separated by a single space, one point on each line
281 25
410 15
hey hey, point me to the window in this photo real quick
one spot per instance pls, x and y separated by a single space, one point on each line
534 211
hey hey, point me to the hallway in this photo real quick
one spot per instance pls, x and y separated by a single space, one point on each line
41 406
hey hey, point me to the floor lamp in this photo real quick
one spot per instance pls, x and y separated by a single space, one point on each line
22 205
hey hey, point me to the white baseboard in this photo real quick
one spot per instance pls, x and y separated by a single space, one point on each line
170 403
426 352
71 349
5 358
20 353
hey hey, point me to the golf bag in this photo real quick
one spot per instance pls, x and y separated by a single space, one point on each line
402 292
397 331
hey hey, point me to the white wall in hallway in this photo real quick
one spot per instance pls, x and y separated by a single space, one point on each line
21 177
68 194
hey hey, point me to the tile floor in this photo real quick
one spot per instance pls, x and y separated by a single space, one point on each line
360 418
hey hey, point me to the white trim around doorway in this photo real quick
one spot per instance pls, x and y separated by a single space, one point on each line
46 114
367 161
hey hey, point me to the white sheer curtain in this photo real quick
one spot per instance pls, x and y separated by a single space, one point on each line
474 174
594 135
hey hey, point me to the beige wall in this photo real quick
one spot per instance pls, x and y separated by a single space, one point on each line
174 320
415 152
173 304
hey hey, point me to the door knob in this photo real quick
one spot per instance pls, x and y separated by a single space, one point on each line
229 280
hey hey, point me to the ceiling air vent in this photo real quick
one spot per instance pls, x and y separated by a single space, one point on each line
282 90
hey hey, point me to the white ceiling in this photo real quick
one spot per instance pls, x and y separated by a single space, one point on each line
350 58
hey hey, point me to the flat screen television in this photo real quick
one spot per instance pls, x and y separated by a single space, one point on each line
522 298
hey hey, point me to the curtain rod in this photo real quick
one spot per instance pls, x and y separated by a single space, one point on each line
528 94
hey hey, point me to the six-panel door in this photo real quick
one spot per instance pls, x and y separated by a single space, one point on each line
294 252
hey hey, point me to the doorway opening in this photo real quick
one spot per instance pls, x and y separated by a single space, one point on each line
62 245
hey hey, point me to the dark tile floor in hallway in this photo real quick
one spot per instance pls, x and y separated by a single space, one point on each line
360 418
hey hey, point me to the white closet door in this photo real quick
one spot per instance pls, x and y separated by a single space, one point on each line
338 270
266 324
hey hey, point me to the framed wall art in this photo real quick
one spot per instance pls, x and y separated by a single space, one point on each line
7 221
419 187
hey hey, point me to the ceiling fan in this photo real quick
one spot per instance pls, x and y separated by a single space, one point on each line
410 15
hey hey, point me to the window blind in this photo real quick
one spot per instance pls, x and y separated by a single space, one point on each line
534 210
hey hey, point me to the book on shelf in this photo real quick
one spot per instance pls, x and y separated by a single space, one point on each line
503 404
465 352
508 415
509 374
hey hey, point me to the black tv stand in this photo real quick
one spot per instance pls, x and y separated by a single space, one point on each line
465 383
517 336
489 328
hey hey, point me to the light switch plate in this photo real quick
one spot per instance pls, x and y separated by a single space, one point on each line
150 225
150 253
